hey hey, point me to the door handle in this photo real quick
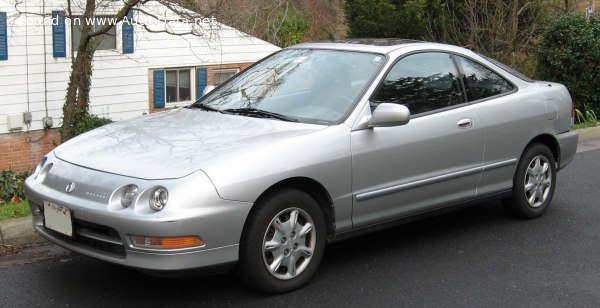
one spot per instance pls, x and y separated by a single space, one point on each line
465 123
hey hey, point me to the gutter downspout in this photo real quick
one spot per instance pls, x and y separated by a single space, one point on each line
45 60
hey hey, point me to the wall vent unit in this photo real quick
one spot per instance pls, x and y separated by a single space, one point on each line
15 122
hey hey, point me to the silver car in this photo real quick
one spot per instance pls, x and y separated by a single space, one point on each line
316 143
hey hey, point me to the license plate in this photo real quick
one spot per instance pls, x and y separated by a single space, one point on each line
58 218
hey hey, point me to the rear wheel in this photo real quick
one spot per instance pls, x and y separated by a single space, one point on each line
533 184
283 242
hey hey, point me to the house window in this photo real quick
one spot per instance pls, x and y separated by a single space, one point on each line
109 39
178 85
220 76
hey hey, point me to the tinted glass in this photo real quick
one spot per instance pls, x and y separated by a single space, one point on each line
422 82
481 82
509 69
312 86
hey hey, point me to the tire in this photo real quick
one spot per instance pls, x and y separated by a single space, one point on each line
533 184
275 256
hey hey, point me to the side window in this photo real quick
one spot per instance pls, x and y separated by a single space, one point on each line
422 82
481 82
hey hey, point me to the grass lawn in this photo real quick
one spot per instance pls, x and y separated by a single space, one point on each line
14 210
585 125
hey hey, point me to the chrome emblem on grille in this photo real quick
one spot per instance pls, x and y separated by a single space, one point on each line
70 187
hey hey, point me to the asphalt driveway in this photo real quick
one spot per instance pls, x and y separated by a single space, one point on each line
478 256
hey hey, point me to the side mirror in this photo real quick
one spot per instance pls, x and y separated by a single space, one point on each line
387 115
207 89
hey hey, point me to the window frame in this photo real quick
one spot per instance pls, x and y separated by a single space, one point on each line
408 54
462 74
460 71
118 29
224 70
192 82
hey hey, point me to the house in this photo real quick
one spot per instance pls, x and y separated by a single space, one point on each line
154 62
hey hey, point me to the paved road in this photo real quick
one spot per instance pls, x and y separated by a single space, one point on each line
477 256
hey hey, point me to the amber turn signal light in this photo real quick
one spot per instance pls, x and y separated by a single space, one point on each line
166 242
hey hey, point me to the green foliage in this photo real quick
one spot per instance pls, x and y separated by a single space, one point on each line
288 28
87 123
388 18
83 122
570 54
14 210
589 119
12 186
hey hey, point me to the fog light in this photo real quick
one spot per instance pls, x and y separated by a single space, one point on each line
166 242
129 195
159 198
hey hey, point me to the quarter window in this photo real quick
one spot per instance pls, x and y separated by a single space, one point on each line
422 82
177 85
481 82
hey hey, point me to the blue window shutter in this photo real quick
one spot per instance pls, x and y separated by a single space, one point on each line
3 37
200 81
59 40
159 88
128 33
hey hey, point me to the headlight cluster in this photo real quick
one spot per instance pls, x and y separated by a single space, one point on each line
129 195
40 165
156 197
42 170
159 199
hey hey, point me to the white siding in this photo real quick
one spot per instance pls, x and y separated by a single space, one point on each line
120 87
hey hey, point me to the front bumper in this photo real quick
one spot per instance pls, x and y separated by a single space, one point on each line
102 230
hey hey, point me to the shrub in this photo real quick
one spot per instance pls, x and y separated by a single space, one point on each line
12 186
569 53
88 123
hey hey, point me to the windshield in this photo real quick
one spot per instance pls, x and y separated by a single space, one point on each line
305 85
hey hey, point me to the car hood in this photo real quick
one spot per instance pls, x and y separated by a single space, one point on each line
175 143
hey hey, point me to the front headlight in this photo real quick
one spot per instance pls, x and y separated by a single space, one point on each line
159 198
129 195
39 166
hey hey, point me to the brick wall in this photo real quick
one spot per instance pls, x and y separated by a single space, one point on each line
22 151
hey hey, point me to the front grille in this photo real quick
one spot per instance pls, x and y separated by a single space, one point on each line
93 236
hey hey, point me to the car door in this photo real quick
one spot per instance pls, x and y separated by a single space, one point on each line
507 122
433 160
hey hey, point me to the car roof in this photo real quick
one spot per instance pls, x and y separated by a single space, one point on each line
378 45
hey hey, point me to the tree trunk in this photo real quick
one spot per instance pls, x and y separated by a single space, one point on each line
77 99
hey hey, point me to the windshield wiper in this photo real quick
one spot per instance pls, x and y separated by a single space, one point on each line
260 113
205 107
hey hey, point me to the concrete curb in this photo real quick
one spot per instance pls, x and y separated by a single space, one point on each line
20 230
586 134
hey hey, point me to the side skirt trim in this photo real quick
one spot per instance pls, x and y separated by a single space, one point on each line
432 180
420 215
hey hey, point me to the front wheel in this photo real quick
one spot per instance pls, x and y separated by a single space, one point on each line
533 184
283 242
